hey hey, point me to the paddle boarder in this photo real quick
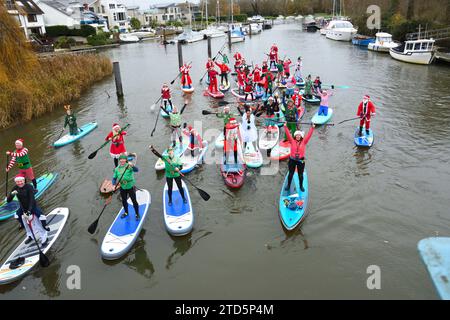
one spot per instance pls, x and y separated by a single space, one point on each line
233 134
165 95
212 74
175 124
298 68
317 85
126 170
324 96
117 142
195 140
249 131
366 109
71 121
224 69
21 157
186 80
308 88
297 154
28 213
173 166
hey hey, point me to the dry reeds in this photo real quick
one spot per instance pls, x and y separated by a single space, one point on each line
30 87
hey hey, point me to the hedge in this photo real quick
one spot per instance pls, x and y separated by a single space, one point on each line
83 31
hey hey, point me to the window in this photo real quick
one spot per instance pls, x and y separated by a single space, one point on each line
430 46
424 46
409 46
112 6
120 16
114 16
32 18
417 46
164 17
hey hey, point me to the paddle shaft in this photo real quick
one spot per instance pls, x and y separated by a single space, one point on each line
6 182
214 59
156 122
351 119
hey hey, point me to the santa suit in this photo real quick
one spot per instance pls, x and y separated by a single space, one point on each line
257 75
286 67
209 64
237 56
233 135
297 98
117 144
223 72
185 77
273 57
212 80
365 111
240 79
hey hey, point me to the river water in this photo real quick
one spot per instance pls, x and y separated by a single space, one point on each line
367 207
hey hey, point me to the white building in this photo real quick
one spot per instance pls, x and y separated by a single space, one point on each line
163 13
70 13
134 12
28 15
113 12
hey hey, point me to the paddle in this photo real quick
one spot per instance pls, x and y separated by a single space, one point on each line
93 154
94 224
156 122
206 112
171 82
214 59
60 134
43 260
349 120
339 87
205 196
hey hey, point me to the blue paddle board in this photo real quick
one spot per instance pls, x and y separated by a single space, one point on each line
322 119
366 140
294 202
178 217
82 131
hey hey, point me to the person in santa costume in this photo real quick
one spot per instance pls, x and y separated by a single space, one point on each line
29 214
248 88
165 95
223 73
240 80
195 141
20 156
366 110
237 60
117 143
297 98
232 136
186 80
273 56
175 124
268 82
287 67
212 73
257 75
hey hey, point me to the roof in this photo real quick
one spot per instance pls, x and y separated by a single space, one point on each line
163 5
61 5
384 35
28 6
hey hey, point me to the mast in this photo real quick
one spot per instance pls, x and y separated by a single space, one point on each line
232 19
206 4
190 15
218 13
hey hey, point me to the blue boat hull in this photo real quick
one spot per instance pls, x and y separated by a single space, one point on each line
67 139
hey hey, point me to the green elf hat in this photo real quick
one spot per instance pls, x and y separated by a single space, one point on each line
123 156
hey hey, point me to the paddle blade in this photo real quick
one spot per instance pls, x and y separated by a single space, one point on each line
92 155
205 112
223 103
93 227
43 260
152 107
203 194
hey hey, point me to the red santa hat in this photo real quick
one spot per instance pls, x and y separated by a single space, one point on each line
115 126
367 97
19 141
19 177
190 128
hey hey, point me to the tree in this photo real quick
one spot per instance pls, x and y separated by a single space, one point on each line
135 23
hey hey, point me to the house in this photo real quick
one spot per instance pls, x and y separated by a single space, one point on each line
163 13
29 16
189 11
134 12
70 13
113 12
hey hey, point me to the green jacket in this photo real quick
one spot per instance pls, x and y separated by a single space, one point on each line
226 117
128 180
71 120
175 162
308 87
175 119
280 67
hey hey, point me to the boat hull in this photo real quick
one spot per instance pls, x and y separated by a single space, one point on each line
425 57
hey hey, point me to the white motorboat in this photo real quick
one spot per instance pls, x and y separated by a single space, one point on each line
237 36
415 51
128 38
383 42
340 30
256 28
188 36
212 32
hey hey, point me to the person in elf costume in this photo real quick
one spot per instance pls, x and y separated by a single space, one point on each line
21 157
117 142
175 124
71 121
186 80
126 170
366 110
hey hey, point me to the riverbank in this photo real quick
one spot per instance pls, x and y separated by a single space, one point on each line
52 83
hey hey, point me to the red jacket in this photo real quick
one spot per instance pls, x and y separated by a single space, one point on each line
223 67
298 148
209 64
117 143
368 112
237 56
212 73
165 93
